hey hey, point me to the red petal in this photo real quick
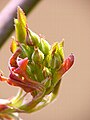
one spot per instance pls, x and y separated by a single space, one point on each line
66 65
22 63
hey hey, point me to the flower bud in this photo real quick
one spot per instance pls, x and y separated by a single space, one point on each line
56 56
37 56
26 51
53 60
34 38
20 24
46 72
36 67
58 48
44 46
13 45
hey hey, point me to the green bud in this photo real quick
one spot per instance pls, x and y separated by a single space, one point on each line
58 48
56 56
53 61
26 51
35 72
46 72
37 56
56 61
35 39
20 24
44 46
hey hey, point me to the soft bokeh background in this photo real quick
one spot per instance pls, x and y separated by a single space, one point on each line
57 19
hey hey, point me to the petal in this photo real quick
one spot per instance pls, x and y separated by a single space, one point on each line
22 64
66 65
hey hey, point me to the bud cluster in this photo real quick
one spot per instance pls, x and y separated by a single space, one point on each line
36 67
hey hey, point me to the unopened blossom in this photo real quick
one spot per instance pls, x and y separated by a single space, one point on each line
35 66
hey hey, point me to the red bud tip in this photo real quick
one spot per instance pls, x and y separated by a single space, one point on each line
66 65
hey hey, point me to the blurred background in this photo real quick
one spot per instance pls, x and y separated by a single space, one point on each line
58 19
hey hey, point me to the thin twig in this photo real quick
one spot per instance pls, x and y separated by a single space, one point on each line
8 14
